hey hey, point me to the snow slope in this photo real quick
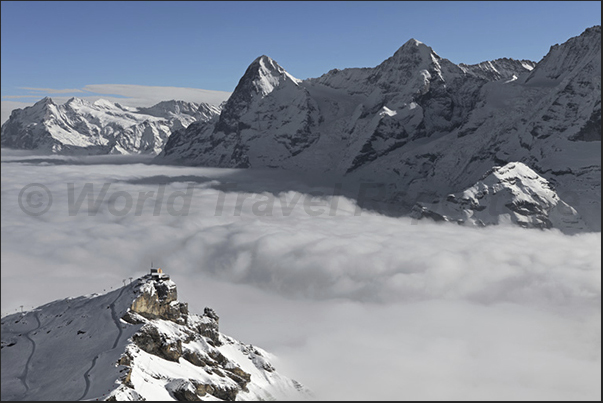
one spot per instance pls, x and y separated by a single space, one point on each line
513 194
137 342
418 123
102 127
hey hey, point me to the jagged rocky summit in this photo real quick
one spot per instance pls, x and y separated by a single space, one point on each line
418 123
100 127
134 343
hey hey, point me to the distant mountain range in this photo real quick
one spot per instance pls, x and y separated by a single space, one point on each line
102 127
137 342
417 122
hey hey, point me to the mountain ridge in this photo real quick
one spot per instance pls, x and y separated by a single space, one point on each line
423 125
137 342
101 127
512 193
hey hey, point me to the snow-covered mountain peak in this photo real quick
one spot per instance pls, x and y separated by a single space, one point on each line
42 105
513 193
266 62
103 103
265 75
416 50
101 127
74 100
42 109
45 101
137 342
513 170
413 42
75 103
580 53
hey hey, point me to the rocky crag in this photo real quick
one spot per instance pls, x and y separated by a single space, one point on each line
134 343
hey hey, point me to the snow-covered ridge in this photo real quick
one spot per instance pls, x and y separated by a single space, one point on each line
513 194
499 69
268 75
134 343
101 127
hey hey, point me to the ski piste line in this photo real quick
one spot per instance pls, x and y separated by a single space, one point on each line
118 324
25 373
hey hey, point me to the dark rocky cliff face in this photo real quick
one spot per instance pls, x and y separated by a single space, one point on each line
159 301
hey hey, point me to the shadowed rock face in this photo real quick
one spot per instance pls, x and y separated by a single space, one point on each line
149 339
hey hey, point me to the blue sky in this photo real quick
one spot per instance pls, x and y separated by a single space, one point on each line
208 45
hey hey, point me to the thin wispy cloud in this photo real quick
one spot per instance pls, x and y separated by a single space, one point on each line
20 96
52 90
154 94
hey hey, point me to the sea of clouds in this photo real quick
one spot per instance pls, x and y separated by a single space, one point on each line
355 304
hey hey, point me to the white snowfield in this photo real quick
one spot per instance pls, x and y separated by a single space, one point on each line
83 349
510 194
101 127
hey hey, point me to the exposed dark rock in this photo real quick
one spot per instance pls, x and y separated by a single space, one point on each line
162 303
151 341
183 390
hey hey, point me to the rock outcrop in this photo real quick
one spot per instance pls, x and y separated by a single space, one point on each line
135 343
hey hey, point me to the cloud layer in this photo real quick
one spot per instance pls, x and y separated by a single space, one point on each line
357 307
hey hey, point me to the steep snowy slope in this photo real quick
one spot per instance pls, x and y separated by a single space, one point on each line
267 119
135 343
418 123
510 194
102 127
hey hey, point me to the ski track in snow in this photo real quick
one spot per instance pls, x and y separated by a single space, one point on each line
23 377
87 377
115 343
116 319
